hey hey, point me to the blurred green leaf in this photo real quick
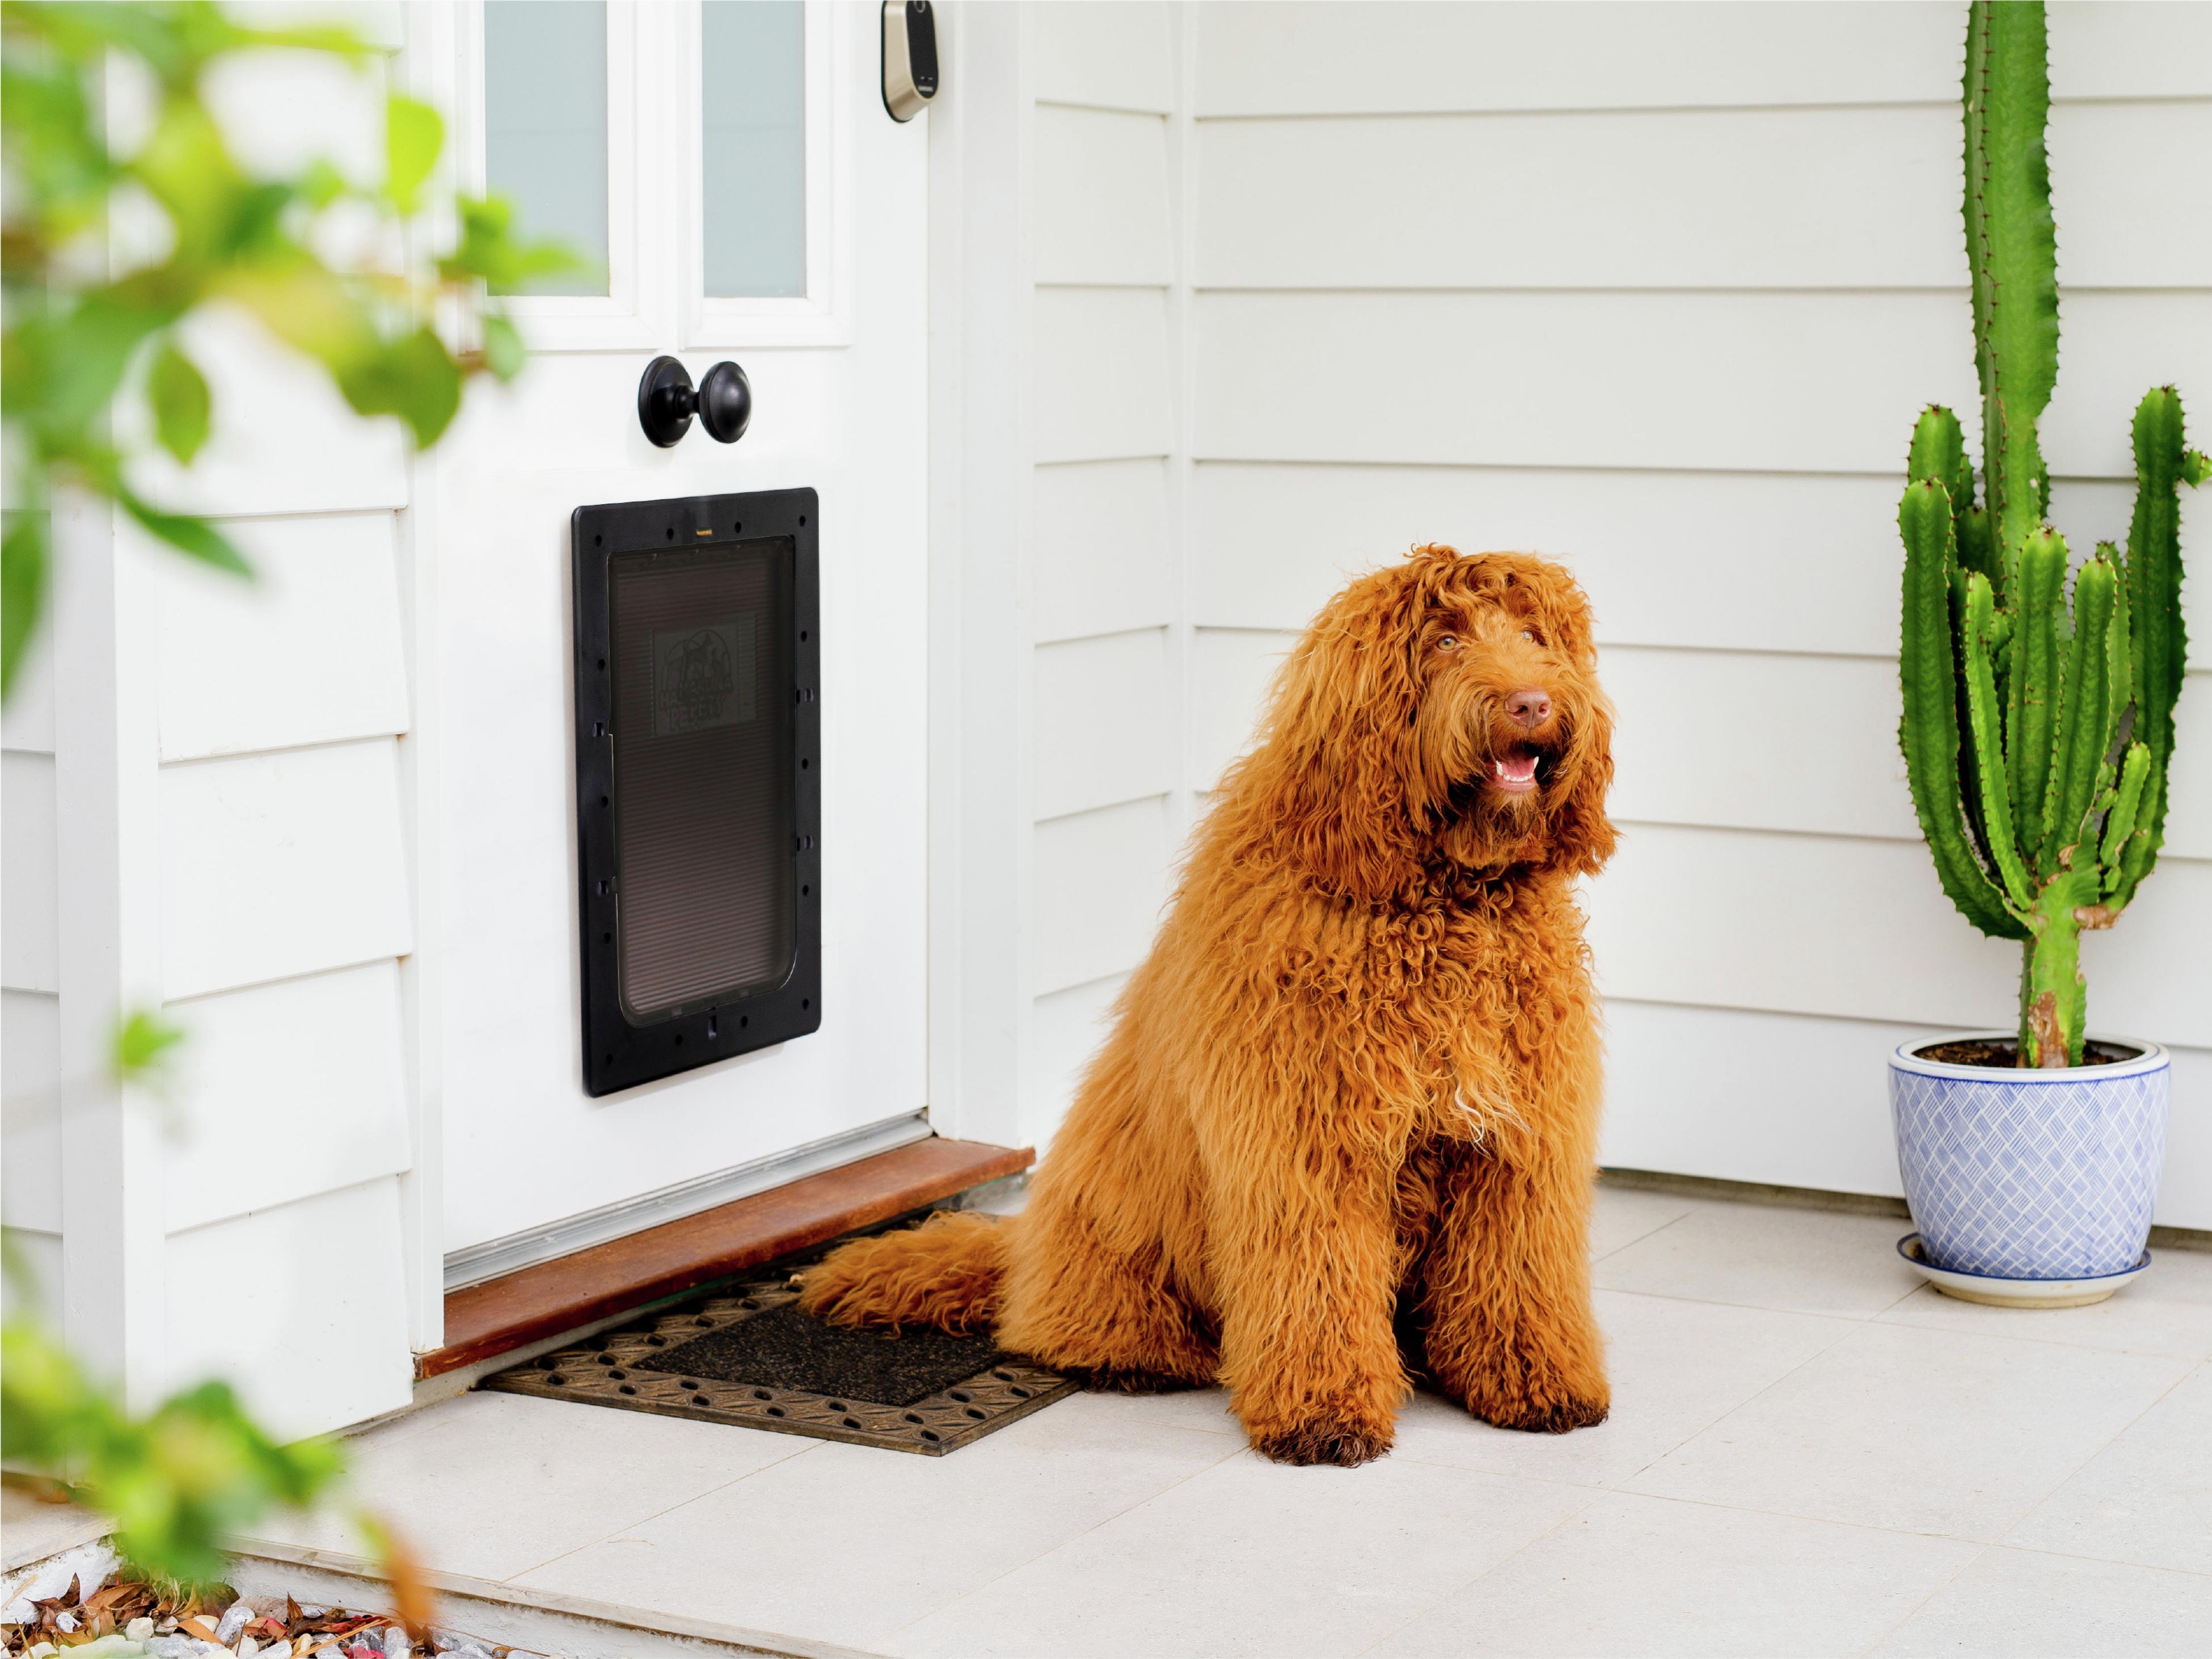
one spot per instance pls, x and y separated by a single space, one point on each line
503 348
179 395
413 378
196 537
413 134
142 1041
22 588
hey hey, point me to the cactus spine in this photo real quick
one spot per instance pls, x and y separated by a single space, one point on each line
2038 739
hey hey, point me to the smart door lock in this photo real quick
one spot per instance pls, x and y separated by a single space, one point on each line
666 402
909 57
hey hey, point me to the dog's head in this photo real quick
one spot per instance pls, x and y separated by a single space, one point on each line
1443 708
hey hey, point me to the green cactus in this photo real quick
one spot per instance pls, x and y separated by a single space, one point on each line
2038 739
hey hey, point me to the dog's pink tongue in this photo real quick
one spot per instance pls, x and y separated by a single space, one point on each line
1518 769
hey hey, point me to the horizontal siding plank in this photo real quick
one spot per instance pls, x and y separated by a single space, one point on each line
310 651
37 1289
30 1080
1099 549
258 1060
1066 1030
1789 1101
1103 386
1101 878
1816 925
1822 198
1365 56
1230 673
1115 54
1385 55
1809 744
310 1326
1101 724
30 915
2130 49
1690 559
1785 1099
27 720
1747 198
1100 184
283 441
1783 382
280 864
1805 743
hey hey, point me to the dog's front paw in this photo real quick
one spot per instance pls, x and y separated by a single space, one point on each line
1538 1399
1323 1439
1544 1416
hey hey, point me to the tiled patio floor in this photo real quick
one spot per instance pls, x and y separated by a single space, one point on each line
1809 1453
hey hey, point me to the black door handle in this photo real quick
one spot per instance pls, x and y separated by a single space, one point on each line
666 402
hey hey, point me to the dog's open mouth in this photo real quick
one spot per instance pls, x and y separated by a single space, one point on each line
1516 770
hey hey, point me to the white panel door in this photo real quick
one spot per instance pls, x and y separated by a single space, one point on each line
731 171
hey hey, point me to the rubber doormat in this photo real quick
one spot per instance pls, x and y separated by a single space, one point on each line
755 1361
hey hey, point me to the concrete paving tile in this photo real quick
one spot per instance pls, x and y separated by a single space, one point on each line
491 1485
1675 1366
846 1544
1622 1215
1654 1578
1252 1560
2147 1497
2168 1310
1816 1261
1919 1430
1204 1409
2019 1604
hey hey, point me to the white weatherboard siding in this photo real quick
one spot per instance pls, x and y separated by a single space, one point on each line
30 1067
1655 291
1108 618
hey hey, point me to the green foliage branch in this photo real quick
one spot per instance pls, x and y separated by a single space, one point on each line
2038 739
80 333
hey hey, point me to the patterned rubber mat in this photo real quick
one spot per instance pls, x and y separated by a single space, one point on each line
759 1363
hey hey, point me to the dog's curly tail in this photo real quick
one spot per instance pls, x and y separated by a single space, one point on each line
945 1272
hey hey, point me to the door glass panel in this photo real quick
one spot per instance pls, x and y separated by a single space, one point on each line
753 94
545 129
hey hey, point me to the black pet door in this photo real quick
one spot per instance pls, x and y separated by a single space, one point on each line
698 780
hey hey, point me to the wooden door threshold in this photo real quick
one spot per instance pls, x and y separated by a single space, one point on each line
501 1315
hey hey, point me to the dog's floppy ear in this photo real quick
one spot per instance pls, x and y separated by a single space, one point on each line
1339 735
1582 836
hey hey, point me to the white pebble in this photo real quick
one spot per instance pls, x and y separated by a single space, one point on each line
247 1647
139 1629
233 1620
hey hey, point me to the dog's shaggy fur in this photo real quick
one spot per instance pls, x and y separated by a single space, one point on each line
1345 1122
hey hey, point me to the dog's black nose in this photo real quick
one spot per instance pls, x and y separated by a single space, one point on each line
1530 705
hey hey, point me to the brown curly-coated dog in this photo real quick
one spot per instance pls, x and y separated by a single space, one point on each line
1345 1122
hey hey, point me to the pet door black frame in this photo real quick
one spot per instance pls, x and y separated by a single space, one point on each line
764 543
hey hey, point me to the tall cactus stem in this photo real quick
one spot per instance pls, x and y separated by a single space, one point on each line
1929 729
2082 716
2012 255
2038 670
1982 727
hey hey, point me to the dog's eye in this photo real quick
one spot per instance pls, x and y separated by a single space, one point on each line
1448 642
1532 635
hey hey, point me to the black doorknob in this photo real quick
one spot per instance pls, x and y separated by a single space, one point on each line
666 401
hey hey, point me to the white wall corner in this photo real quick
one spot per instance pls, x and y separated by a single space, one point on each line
108 881
980 463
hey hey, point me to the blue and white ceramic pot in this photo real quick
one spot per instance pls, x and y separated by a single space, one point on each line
2031 1175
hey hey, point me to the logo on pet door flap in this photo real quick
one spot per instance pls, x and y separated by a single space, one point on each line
702 676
